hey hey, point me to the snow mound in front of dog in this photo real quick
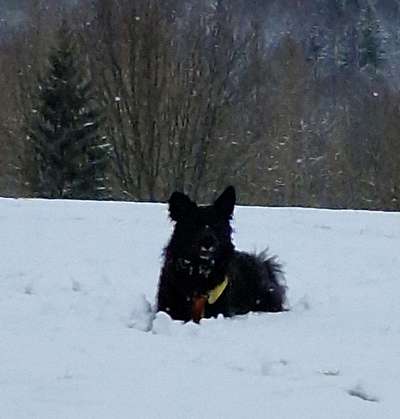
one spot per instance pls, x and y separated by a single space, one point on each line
79 339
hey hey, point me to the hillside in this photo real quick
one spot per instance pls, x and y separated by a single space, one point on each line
72 280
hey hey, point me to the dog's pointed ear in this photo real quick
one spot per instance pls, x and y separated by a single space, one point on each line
225 203
179 205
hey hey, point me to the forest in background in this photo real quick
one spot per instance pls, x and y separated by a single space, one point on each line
293 102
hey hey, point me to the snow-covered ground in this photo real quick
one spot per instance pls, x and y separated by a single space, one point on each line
73 277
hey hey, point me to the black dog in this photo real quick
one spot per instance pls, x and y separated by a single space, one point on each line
203 275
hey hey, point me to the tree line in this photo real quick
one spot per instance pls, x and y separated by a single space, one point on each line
132 99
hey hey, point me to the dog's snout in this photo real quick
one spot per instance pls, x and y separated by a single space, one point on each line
208 242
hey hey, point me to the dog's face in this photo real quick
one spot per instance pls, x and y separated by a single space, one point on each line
202 234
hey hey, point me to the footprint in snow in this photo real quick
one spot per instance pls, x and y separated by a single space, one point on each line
28 290
322 227
331 372
274 368
303 304
360 392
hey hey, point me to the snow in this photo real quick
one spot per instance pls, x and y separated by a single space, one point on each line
77 339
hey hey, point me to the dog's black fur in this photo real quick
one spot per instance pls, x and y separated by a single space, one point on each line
200 255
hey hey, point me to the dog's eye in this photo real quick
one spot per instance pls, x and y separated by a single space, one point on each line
211 225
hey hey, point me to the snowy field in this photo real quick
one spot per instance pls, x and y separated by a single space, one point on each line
74 280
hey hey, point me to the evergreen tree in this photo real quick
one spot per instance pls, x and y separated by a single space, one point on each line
70 155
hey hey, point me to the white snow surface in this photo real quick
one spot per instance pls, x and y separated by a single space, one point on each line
76 279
